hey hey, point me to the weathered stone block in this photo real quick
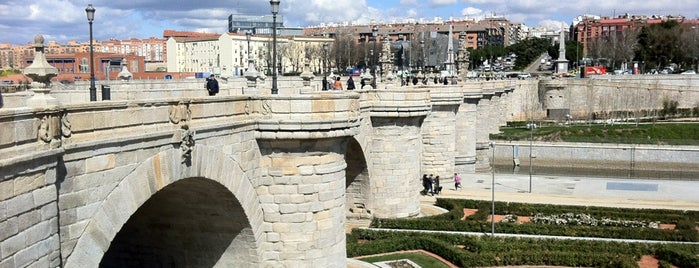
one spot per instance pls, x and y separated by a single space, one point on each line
19 204
13 244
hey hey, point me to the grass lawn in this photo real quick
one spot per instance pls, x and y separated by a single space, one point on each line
659 133
418 258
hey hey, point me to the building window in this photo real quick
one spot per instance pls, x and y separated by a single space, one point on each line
84 66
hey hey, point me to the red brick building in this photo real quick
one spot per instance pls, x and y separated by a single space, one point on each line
587 28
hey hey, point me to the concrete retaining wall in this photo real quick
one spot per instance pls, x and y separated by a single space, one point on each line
572 156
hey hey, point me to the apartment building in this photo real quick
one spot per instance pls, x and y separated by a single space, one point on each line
586 28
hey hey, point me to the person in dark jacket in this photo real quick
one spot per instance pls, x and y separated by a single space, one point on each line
350 83
212 85
426 184
437 189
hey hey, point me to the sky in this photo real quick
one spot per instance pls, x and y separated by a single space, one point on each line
65 20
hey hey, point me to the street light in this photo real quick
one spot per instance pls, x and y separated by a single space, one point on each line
422 49
374 34
492 209
248 34
91 17
325 66
275 10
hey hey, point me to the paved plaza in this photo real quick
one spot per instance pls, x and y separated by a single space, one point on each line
568 190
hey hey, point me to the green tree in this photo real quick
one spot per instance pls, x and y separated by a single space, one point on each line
659 44
529 50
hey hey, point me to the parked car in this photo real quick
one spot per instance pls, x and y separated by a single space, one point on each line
524 76
689 72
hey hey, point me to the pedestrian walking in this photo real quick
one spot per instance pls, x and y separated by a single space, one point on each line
426 184
212 85
457 181
337 85
350 83
437 188
430 184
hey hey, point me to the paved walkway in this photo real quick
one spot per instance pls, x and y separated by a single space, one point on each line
563 190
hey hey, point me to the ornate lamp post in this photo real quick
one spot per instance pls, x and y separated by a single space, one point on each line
275 10
325 66
374 34
248 34
422 50
90 17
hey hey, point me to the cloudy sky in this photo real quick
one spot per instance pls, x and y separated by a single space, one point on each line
65 20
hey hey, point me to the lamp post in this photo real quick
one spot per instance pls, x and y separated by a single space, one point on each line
248 34
91 17
374 34
275 10
492 202
422 49
325 66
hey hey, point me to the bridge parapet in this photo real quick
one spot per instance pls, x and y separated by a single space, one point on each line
447 95
327 115
399 102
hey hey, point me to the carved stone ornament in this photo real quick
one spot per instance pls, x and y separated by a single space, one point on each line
65 126
45 129
266 108
52 128
180 113
187 143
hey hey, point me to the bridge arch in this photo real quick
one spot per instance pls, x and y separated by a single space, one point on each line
162 185
357 183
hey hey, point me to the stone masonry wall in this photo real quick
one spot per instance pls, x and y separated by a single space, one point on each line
302 193
465 132
396 178
29 215
438 136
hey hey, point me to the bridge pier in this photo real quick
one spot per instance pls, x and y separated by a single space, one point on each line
439 133
302 193
485 117
396 151
466 119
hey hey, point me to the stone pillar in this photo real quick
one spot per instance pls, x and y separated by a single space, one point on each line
303 202
396 151
395 171
496 107
439 133
485 116
466 119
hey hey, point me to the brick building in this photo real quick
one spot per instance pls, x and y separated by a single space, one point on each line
587 28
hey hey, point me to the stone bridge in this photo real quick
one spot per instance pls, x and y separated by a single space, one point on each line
232 180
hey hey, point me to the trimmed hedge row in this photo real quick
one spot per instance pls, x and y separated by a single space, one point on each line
488 251
685 221
526 209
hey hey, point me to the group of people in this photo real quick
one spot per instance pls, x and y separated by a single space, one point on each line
431 185
337 84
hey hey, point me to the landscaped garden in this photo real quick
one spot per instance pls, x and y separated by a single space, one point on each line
677 227
660 133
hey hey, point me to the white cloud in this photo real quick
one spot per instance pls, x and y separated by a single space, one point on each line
65 20
553 25
471 12
442 2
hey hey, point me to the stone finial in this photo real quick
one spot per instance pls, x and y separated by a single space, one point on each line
386 58
252 75
307 76
366 79
125 74
41 73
